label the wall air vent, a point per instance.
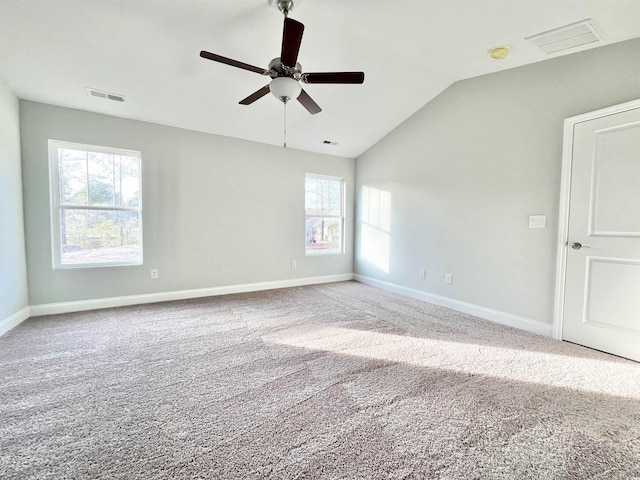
(567, 37)
(106, 95)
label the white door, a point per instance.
(602, 283)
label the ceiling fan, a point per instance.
(285, 71)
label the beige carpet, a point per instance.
(339, 381)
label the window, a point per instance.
(96, 211)
(324, 209)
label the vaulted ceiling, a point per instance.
(148, 51)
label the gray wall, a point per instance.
(216, 211)
(466, 170)
(13, 270)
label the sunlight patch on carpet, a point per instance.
(510, 363)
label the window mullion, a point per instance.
(325, 216)
(99, 207)
(86, 160)
(113, 178)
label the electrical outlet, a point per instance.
(423, 274)
(448, 278)
(154, 273)
(293, 264)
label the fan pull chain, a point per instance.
(285, 124)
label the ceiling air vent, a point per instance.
(567, 37)
(108, 96)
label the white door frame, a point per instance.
(565, 193)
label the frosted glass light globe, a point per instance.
(285, 88)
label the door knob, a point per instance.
(578, 246)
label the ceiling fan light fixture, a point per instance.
(285, 71)
(285, 88)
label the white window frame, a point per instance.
(341, 217)
(57, 205)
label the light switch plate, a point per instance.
(537, 221)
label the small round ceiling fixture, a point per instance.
(499, 53)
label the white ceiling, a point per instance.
(148, 50)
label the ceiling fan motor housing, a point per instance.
(278, 69)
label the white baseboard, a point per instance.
(94, 304)
(14, 320)
(503, 318)
(497, 316)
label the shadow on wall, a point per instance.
(376, 227)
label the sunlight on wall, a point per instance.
(375, 241)
(513, 364)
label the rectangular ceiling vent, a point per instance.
(567, 37)
(106, 95)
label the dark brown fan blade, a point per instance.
(308, 103)
(233, 63)
(255, 96)
(291, 40)
(333, 77)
